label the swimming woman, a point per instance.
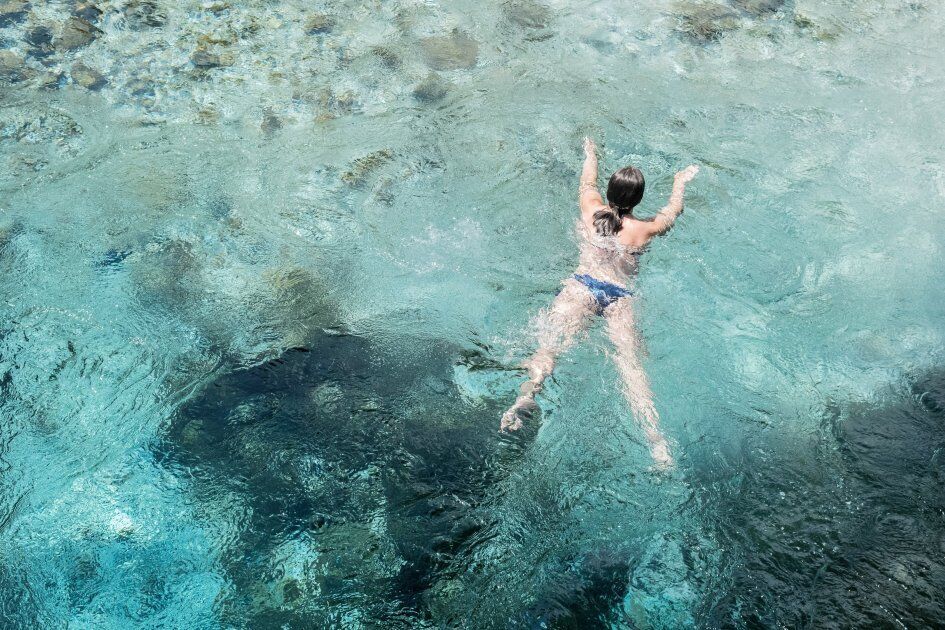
(612, 240)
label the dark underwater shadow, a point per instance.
(366, 468)
(843, 529)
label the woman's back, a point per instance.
(605, 257)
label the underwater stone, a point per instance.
(452, 52)
(144, 13)
(12, 11)
(387, 56)
(318, 23)
(432, 89)
(113, 258)
(527, 13)
(217, 7)
(203, 58)
(805, 23)
(87, 11)
(707, 23)
(759, 8)
(39, 39)
(38, 36)
(87, 77)
(801, 21)
(270, 122)
(207, 116)
(50, 81)
(12, 67)
(334, 104)
(76, 33)
(43, 126)
(363, 166)
(140, 87)
(221, 37)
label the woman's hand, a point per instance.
(687, 174)
(590, 149)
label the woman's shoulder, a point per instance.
(585, 224)
(634, 234)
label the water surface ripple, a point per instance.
(267, 269)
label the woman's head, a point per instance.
(624, 191)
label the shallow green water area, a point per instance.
(267, 270)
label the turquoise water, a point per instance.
(267, 270)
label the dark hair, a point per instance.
(624, 191)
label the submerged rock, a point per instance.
(42, 126)
(364, 166)
(12, 11)
(708, 22)
(141, 14)
(140, 87)
(318, 23)
(333, 105)
(451, 52)
(50, 81)
(87, 11)
(527, 13)
(207, 116)
(432, 89)
(759, 8)
(217, 7)
(113, 258)
(387, 56)
(38, 36)
(205, 59)
(12, 67)
(87, 77)
(270, 122)
(76, 33)
(39, 39)
(819, 32)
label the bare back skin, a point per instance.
(613, 259)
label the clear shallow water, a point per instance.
(260, 319)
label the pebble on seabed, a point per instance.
(318, 23)
(12, 11)
(143, 13)
(76, 32)
(12, 67)
(450, 52)
(271, 123)
(706, 23)
(39, 39)
(759, 8)
(527, 13)
(87, 77)
(432, 89)
(50, 81)
(204, 59)
(364, 166)
(387, 56)
(87, 11)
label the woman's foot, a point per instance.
(524, 408)
(518, 414)
(659, 451)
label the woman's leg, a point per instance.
(636, 386)
(557, 329)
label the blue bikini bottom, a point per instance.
(606, 293)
